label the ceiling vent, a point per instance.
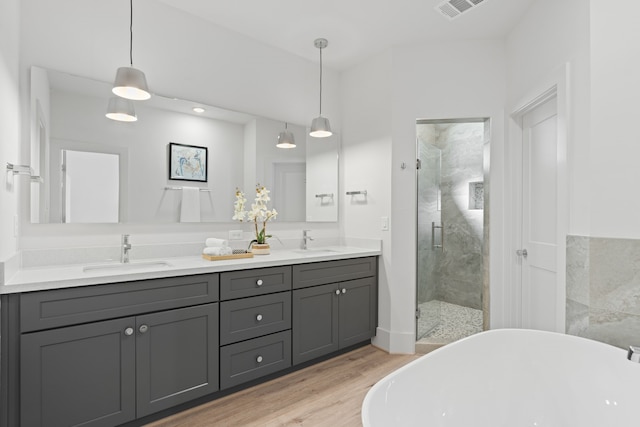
(454, 8)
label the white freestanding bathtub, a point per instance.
(511, 378)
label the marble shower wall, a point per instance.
(455, 274)
(603, 289)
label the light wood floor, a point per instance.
(327, 394)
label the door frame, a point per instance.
(556, 85)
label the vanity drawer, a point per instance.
(248, 283)
(62, 307)
(321, 273)
(252, 317)
(248, 360)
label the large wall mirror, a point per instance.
(97, 170)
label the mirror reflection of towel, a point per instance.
(190, 206)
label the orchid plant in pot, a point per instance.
(259, 214)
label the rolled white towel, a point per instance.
(212, 251)
(212, 242)
(226, 250)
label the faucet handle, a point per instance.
(634, 354)
(125, 238)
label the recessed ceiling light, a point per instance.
(198, 109)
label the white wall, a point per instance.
(366, 154)
(615, 143)
(428, 81)
(10, 124)
(182, 56)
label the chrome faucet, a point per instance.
(125, 248)
(305, 239)
(634, 354)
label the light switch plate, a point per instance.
(235, 234)
(384, 223)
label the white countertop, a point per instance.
(68, 276)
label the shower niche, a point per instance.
(452, 185)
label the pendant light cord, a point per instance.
(131, 32)
(320, 82)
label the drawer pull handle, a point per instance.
(143, 329)
(129, 331)
(259, 317)
(337, 291)
(259, 359)
(344, 290)
(259, 282)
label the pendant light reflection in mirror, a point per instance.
(130, 85)
(320, 127)
(286, 138)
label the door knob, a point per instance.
(522, 252)
(143, 329)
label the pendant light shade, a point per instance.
(121, 110)
(130, 82)
(320, 127)
(286, 139)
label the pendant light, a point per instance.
(130, 82)
(121, 110)
(320, 127)
(286, 139)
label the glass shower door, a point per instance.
(430, 236)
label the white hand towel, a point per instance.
(212, 251)
(190, 206)
(212, 242)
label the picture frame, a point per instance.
(188, 162)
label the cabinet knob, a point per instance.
(337, 291)
(259, 359)
(259, 282)
(259, 317)
(344, 290)
(128, 331)
(143, 329)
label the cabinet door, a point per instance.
(79, 375)
(177, 356)
(358, 307)
(315, 322)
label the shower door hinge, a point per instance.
(418, 164)
(418, 313)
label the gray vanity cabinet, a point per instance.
(176, 357)
(255, 324)
(108, 354)
(79, 375)
(108, 372)
(335, 306)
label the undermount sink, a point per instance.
(126, 266)
(315, 251)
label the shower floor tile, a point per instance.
(441, 322)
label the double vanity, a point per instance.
(111, 344)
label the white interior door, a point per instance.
(541, 291)
(90, 187)
(289, 191)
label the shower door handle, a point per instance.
(434, 245)
(522, 252)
